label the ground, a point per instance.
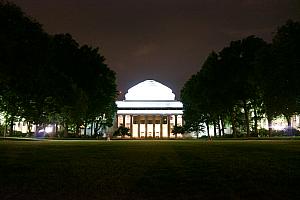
(149, 169)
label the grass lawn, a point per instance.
(149, 169)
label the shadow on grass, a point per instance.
(149, 169)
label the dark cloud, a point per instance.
(163, 40)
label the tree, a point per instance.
(122, 131)
(266, 77)
(201, 97)
(246, 81)
(100, 88)
(23, 47)
(239, 59)
(178, 130)
(285, 51)
(278, 66)
(194, 117)
(51, 79)
(224, 88)
(90, 80)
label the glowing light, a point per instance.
(150, 90)
(49, 129)
(278, 127)
(149, 97)
(162, 112)
(148, 104)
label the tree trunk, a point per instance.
(255, 122)
(215, 129)
(77, 130)
(11, 127)
(96, 129)
(56, 128)
(270, 125)
(232, 115)
(5, 131)
(219, 127)
(92, 127)
(85, 125)
(223, 126)
(29, 127)
(207, 128)
(246, 118)
(66, 130)
(289, 121)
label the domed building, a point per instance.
(149, 111)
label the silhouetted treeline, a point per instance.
(51, 78)
(246, 81)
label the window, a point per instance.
(150, 122)
(165, 120)
(157, 121)
(135, 120)
(142, 121)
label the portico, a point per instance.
(150, 111)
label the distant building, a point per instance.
(150, 111)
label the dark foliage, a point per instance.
(244, 82)
(51, 78)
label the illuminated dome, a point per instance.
(150, 90)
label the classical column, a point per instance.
(131, 131)
(169, 128)
(153, 122)
(146, 126)
(161, 126)
(117, 121)
(175, 125)
(139, 126)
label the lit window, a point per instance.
(165, 120)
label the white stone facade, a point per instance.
(150, 111)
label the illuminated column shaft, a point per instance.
(161, 126)
(131, 130)
(139, 126)
(175, 124)
(169, 128)
(153, 123)
(146, 126)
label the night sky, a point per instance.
(164, 40)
